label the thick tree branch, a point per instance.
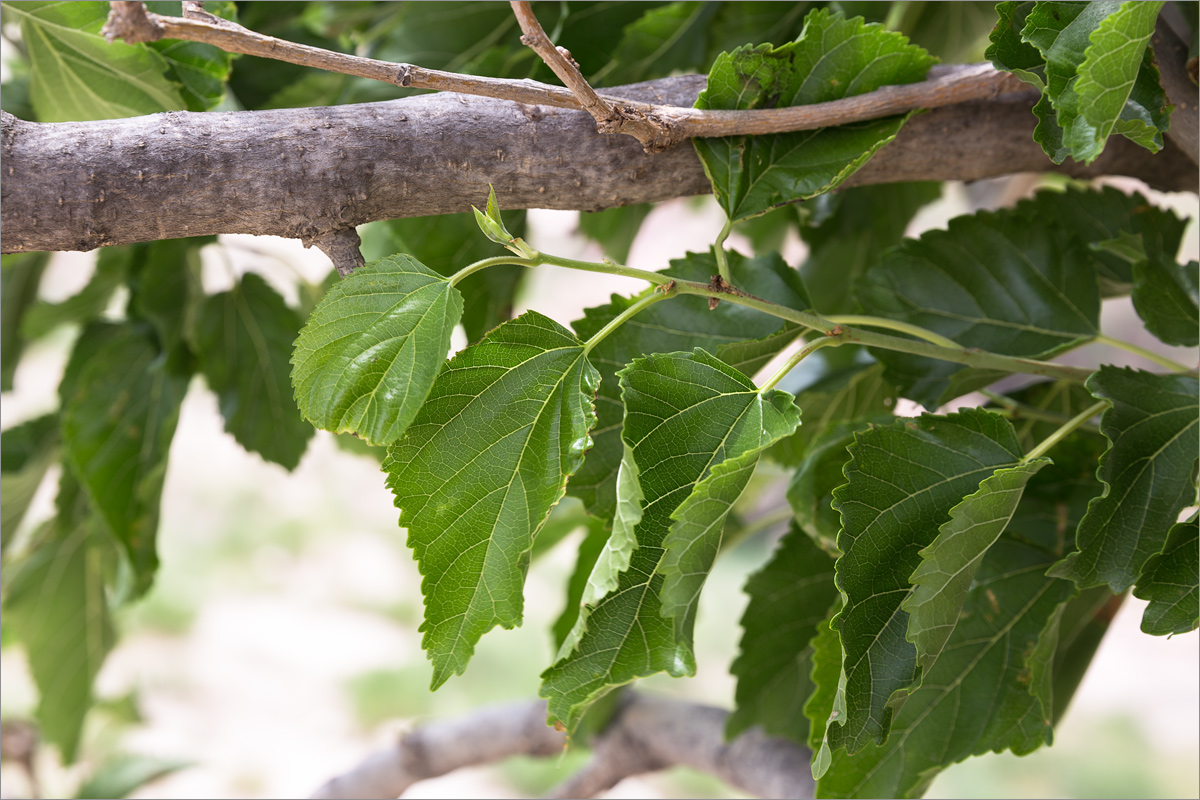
(1172, 56)
(303, 173)
(645, 734)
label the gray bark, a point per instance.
(312, 172)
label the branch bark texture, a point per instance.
(307, 173)
(645, 734)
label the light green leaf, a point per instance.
(891, 508)
(684, 414)
(123, 774)
(77, 75)
(200, 70)
(992, 281)
(20, 276)
(789, 598)
(681, 324)
(367, 357)
(1166, 297)
(119, 410)
(243, 339)
(1169, 582)
(112, 270)
(832, 59)
(826, 691)
(479, 469)
(671, 37)
(1149, 475)
(26, 453)
(691, 546)
(589, 551)
(948, 565)
(614, 229)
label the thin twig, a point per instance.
(670, 125)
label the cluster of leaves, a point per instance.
(919, 610)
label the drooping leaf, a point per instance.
(1149, 474)
(119, 410)
(685, 413)
(243, 339)
(789, 598)
(832, 59)
(26, 452)
(891, 508)
(691, 546)
(112, 270)
(1169, 582)
(992, 281)
(614, 229)
(1166, 297)
(367, 357)
(20, 275)
(948, 565)
(479, 469)
(680, 324)
(78, 75)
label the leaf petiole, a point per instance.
(1066, 430)
(624, 317)
(719, 252)
(495, 261)
(800, 355)
(1149, 355)
(893, 325)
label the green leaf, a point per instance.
(447, 243)
(1165, 295)
(982, 694)
(77, 75)
(200, 70)
(123, 774)
(119, 410)
(478, 471)
(1169, 582)
(589, 551)
(614, 229)
(691, 546)
(832, 59)
(685, 413)
(948, 565)
(824, 680)
(788, 602)
(1149, 475)
(19, 278)
(666, 39)
(56, 602)
(26, 453)
(112, 271)
(992, 281)
(165, 290)
(243, 339)
(367, 357)
(681, 324)
(891, 508)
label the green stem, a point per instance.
(719, 252)
(960, 355)
(893, 325)
(800, 355)
(607, 267)
(623, 317)
(471, 269)
(1149, 355)
(1065, 430)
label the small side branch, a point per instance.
(343, 248)
(645, 734)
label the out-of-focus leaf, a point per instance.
(788, 601)
(851, 393)
(667, 38)
(1169, 582)
(112, 270)
(243, 339)
(614, 229)
(1149, 475)
(123, 774)
(368, 354)
(832, 59)
(20, 275)
(26, 452)
(199, 70)
(589, 550)
(477, 472)
(1165, 295)
(165, 290)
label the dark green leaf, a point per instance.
(243, 339)
(1165, 296)
(992, 281)
(891, 508)
(26, 452)
(685, 413)
(679, 324)
(789, 598)
(20, 275)
(200, 70)
(826, 662)
(1149, 475)
(368, 355)
(77, 75)
(855, 392)
(165, 290)
(589, 551)
(478, 471)
(614, 229)
(119, 410)
(833, 59)
(1169, 582)
(669, 38)
(123, 774)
